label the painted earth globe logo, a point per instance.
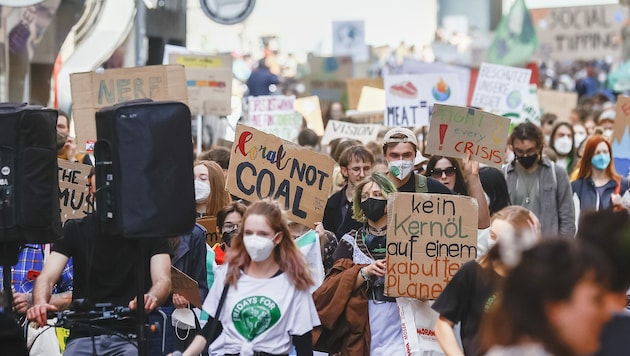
(514, 99)
(441, 91)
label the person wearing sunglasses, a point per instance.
(463, 181)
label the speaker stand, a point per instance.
(143, 340)
(9, 253)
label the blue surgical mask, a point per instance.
(601, 161)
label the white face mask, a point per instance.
(183, 318)
(400, 169)
(578, 138)
(563, 145)
(259, 248)
(202, 191)
(608, 133)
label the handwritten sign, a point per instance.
(74, 193)
(341, 129)
(262, 165)
(410, 98)
(92, 91)
(429, 237)
(500, 88)
(210, 224)
(621, 136)
(209, 82)
(579, 32)
(274, 115)
(310, 109)
(457, 131)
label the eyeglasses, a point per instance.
(437, 172)
(229, 227)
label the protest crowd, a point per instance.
(428, 209)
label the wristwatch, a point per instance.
(364, 275)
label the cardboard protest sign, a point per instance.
(457, 131)
(556, 102)
(372, 99)
(620, 141)
(274, 115)
(429, 237)
(209, 82)
(210, 224)
(355, 86)
(342, 129)
(183, 284)
(92, 91)
(501, 89)
(410, 98)
(74, 193)
(309, 108)
(579, 32)
(262, 165)
(349, 40)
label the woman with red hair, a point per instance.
(598, 185)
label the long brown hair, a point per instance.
(585, 168)
(219, 197)
(285, 253)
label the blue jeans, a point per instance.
(105, 345)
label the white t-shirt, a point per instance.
(261, 314)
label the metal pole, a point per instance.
(199, 134)
(140, 33)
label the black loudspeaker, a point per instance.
(144, 169)
(29, 183)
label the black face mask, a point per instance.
(227, 237)
(528, 161)
(374, 209)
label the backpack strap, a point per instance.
(421, 184)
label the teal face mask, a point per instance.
(601, 161)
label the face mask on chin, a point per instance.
(401, 168)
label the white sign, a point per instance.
(501, 89)
(341, 129)
(410, 98)
(274, 114)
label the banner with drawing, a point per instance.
(262, 165)
(501, 89)
(410, 98)
(429, 237)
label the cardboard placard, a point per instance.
(342, 129)
(183, 284)
(620, 141)
(210, 224)
(500, 88)
(556, 102)
(92, 91)
(456, 131)
(262, 165)
(73, 172)
(354, 87)
(74, 193)
(429, 237)
(310, 109)
(209, 82)
(74, 200)
(274, 114)
(410, 98)
(579, 32)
